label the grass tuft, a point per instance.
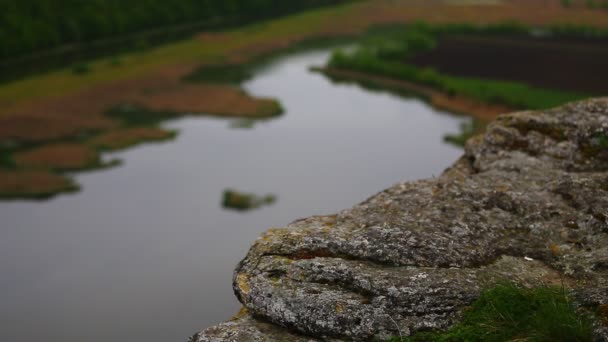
(508, 312)
(6, 159)
(602, 140)
(81, 69)
(134, 115)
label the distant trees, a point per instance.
(31, 25)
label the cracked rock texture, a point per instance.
(528, 202)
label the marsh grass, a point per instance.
(33, 184)
(222, 73)
(602, 140)
(6, 157)
(115, 61)
(508, 312)
(81, 69)
(133, 115)
(128, 137)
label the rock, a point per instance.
(244, 328)
(528, 202)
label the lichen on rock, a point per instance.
(528, 203)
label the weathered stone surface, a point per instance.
(528, 202)
(244, 328)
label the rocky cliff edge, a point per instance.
(528, 202)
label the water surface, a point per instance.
(145, 252)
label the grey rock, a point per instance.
(528, 202)
(244, 328)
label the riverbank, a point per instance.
(480, 71)
(68, 106)
(456, 104)
(491, 68)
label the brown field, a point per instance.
(59, 105)
(48, 125)
(123, 138)
(57, 157)
(579, 66)
(211, 99)
(32, 184)
(70, 115)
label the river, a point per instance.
(145, 251)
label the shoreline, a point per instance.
(485, 112)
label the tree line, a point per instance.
(27, 26)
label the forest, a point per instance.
(28, 26)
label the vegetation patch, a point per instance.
(33, 184)
(508, 312)
(602, 140)
(136, 115)
(81, 68)
(241, 201)
(222, 73)
(128, 137)
(46, 127)
(595, 146)
(198, 99)
(72, 140)
(58, 157)
(6, 158)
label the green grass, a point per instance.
(81, 69)
(507, 312)
(602, 140)
(6, 159)
(115, 61)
